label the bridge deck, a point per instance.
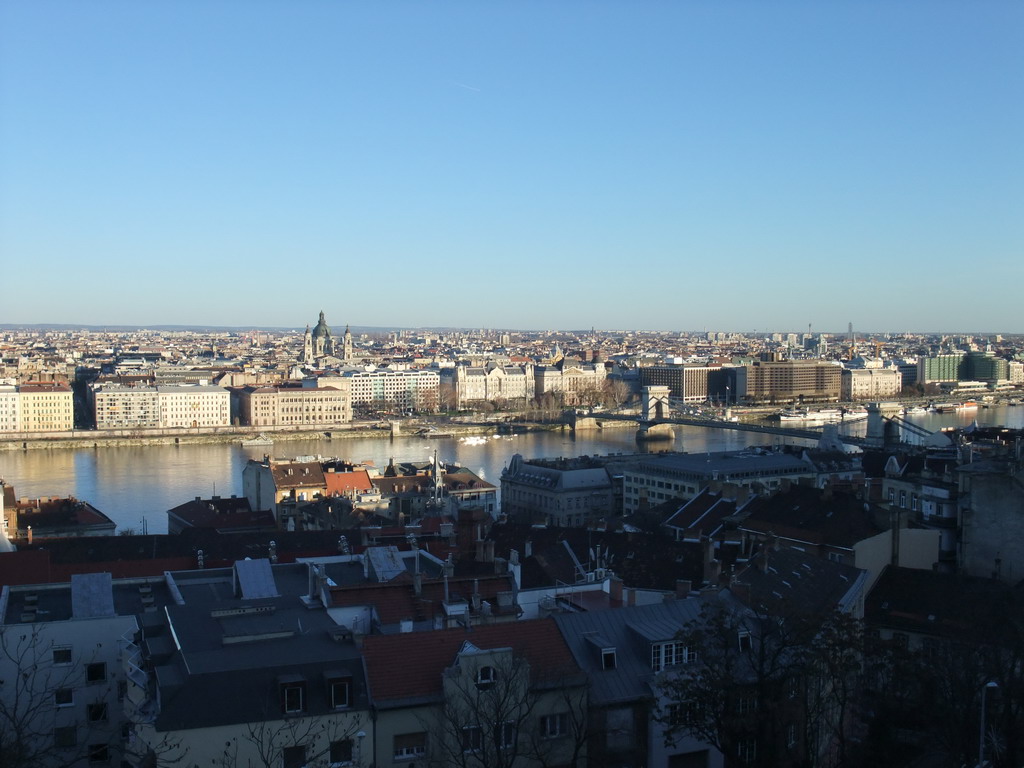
(804, 434)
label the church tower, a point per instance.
(307, 347)
(346, 353)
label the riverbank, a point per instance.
(79, 439)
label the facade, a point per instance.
(10, 408)
(870, 383)
(46, 408)
(194, 406)
(125, 407)
(940, 368)
(559, 494)
(573, 382)
(981, 366)
(463, 385)
(61, 667)
(786, 381)
(693, 383)
(294, 406)
(418, 389)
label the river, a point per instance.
(135, 486)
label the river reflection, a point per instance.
(135, 486)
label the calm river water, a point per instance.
(136, 486)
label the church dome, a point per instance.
(322, 328)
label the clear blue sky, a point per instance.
(653, 165)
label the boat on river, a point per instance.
(257, 442)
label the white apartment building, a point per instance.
(63, 675)
(403, 389)
(10, 408)
(123, 407)
(194, 406)
(870, 383)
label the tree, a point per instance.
(316, 742)
(765, 689)
(496, 714)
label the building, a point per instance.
(656, 479)
(574, 383)
(63, 680)
(268, 483)
(248, 667)
(938, 369)
(46, 408)
(462, 386)
(10, 408)
(693, 383)
(787, 381)
(870, 383)
(564, 493)
(294, 406)
(624, 652)
(318, 343)
(450, 697)
(117, 406)
(224, 515)
(385, 388)
(52, 518)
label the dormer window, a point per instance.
(744, 640)
(607, 658)
(293, 694)
(670, 654)
(486, 677)
(339, 689)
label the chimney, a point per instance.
(417, 584)
(30, 534)
(528, 549)
(615, 588)
(683, 587)
(513, 557)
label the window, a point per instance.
(903, 499)
(472, 738)
(66, 736)
(99, 753)
(293, 697)
(293, 757)
(410, 745)
(669, 654)
(97, 713)
(62, 656)
(791, 735)
(505, 735)
(486, 677)
(341, 752)
(95, 673)
(64, 697)
(122, 689)
(608, 658)
(892, 495)
(339, 693)
(553, 726)
(746, 751)
(744, 641)
(746, 704)
(683, 714)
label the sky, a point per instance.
(684, 165)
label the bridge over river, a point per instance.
(657, 414)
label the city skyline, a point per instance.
(521, 166)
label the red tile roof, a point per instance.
(410, 665)
(345, 482)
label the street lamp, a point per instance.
(981, 745)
